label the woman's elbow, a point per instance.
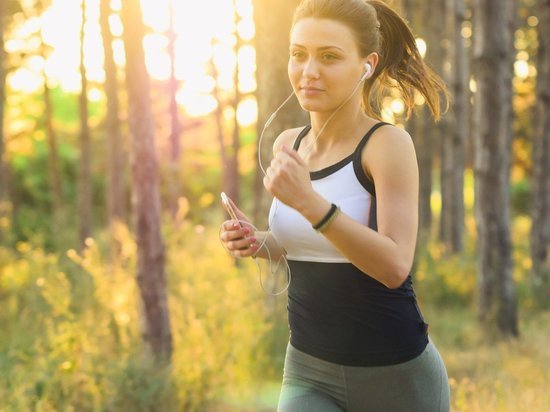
(398, 275)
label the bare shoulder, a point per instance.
(286, 138)
(389, 147)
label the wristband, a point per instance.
(327, 219)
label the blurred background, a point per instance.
(121, 122)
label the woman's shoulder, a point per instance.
(388, 143)
(389, 137)
(286, 138)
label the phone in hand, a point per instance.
(227, 205)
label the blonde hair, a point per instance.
(378, 28)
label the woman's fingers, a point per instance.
(239, 241)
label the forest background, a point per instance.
(123, 120)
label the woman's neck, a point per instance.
(345, 122)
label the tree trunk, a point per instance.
(115, 161)
(232, 173)
(53, 160)
(54, 174)
(417, 14)
(218, 118)
(540, 232)
(174, 184)
(493, 61)
(3, 180)
(454, 141)
(272, 20)
(84, 164)
(151, 276)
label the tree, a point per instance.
(85, 161)
(151, 276)
(54, 173)
(115, 160)
(3, 180)
(417, 13)
(272, 20)
(540, 232)
(175, 123)
(454, 140)
(492, 131)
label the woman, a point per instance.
(345, 215)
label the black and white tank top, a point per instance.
(335, 311)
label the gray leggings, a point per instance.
(314, 385)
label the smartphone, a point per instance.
(228, 208)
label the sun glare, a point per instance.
(201, 36)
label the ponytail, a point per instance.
(401, 64)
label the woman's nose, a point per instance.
(311, 69)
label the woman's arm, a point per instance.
(270, 249)
(387, 254)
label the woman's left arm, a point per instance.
(388, 253)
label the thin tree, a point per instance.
(84, 163)
(417, 14)
(540, 232)
(454, 140)
(115, 160)
(54, 173)
(174, 185)
(3, 179)
(494, 24)
(232, 173)
(151, 275)
(218, 119)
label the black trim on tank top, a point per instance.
(367, 183)
(356, 155)
(373, 223)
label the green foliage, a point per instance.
(70, 338)
(521, 197)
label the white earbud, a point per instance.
(368, 69)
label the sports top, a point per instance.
(336, 312)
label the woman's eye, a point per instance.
(297, 54)
(329, 57)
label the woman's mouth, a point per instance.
(310, 91)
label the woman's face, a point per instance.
(324, 65)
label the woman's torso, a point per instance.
(336, 312)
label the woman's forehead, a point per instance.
(318, 33)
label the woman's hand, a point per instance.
(287, 178)
(238, 237)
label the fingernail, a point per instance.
(235, 225)
(246, 231)
(252, 240)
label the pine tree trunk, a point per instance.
(84, 164)
(272, 19)
(454, 141)
(494, 24)
(115, 161)
(218, 119)
(232, 177)
(175, 189)
(540, 232)
(417, 14)
(151, 276)
(53, 160)
(3, 179)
